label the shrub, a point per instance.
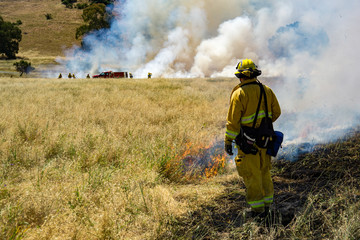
(48, 16)
(68, 3)
(106, 2)
(23, 67)
(82, 5)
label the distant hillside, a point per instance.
(42, 37)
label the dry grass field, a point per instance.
(95, 159)
(143, 158)
(82, 158)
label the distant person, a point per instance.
(149, 75)
(252, 161)
(130, 75)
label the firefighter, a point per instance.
(254, 168)
(149, 75)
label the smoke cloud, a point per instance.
(306, 50)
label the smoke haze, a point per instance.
(307, 51)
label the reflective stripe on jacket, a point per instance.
(243, 104)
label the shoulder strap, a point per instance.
(262, 91)
(258, 106)
(265, 99)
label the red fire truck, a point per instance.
(111, 74)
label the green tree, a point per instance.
(68, 3)
(82, 5)
(95, 18)
(10, 36)
(106, 2)
(23, 67)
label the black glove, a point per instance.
(228, 148)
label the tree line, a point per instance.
(95, 17)
(10, 37)
(74, 3)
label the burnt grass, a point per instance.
(318, 173)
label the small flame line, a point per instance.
(197, 161)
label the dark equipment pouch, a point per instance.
(263, 136)
(246, 140)
(265, 133)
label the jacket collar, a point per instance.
(247, 81)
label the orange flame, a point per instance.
(218, 163)
(196, 162)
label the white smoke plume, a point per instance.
(307, 51)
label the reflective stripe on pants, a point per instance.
(268, 200)
(255, 171)
(257, 204)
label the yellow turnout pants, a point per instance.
(255, 171)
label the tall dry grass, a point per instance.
(84, 159)
(80, 158)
